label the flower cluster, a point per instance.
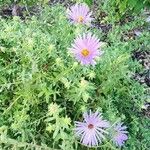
(93, 130)
(86, 48)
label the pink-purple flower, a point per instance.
(80, 13)
(91, 131)
(120, 134)
(86, 48)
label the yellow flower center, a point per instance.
(85, 52)
(80, 19)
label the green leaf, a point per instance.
(123, 6)
(56, 132)
(132, 3)
(139, 6)
(88, 2)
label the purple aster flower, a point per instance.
(80, 13)
(91, 131)
(120, 134)
(85, 49)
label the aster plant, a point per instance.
(92, 129)
(80, 13)
(120, 134)
(86, 48)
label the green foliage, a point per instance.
(118, 8)
(43, 90)
(89, 2)
(23, 2)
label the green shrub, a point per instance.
(22, 2)
(119, 8)
(43, 90)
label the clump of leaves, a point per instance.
(119, 9)
(43, 90)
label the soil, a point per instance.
(144, 78)
(5, 12)
(144, 58)
(146, 110)
(14, 10)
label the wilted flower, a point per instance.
(92, 129)
(59, 61)
(53, 109)
(51, 47)
(80, 13)
(66, 121)
(83, 84)
(120, 134)
(85, 48)
(50, 128)
(92, 75)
